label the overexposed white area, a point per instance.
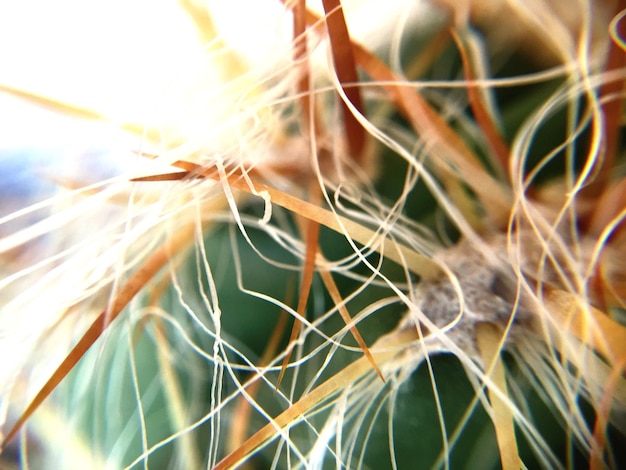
(113, 56)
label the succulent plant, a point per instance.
(320, 235)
